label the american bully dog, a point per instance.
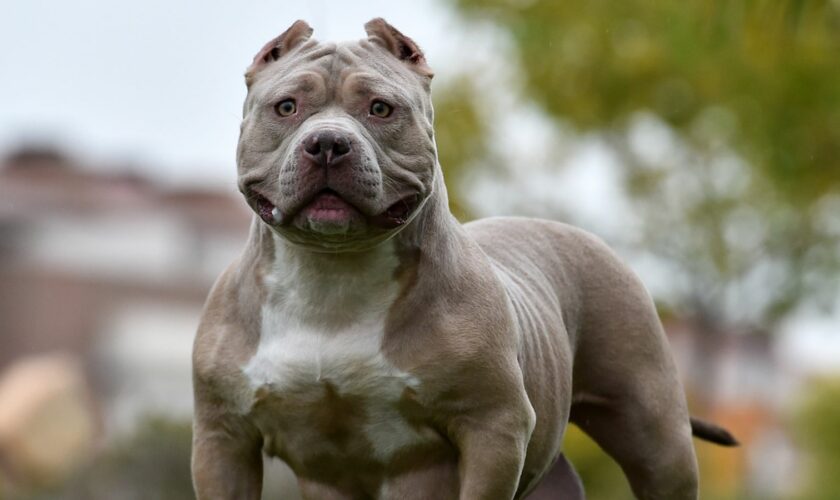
(384, 350)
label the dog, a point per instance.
(382, 349)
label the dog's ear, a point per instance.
(297, 33)
(402, 47)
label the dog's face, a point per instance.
(336, 151)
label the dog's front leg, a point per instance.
(226, 452)
(224, 466)
(492, 450)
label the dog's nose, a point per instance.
(326, 147)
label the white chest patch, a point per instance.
(300, 354)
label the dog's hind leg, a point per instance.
(654, 451)
(635, 410)
(626, 392)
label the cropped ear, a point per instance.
(399, 45)
(297, 33)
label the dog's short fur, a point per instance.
(382, 349)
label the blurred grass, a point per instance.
(602, 477)
(151, 464)
(816, 425)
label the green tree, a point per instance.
(741, 204)
(461, 137)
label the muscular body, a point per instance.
(384, 350)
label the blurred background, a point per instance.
(701, 139)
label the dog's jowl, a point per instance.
(384, 350)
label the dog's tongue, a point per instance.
(328, 207)
(328, 201)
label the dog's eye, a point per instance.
(286, 107)
(380, 109)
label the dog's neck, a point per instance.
(432, 230)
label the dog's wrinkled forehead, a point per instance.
(387, 61)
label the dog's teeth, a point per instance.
(276, 215)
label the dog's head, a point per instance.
(336, 151)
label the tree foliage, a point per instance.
(461, 136)
(738, 197)
(759, 75)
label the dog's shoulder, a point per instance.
(226, 337)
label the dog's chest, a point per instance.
(322, 392)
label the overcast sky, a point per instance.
(159, 82)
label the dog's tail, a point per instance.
(708, 431)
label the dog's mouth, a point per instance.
(267, 211)
(398, 213)
(328, 208)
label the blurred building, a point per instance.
(114, 269)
